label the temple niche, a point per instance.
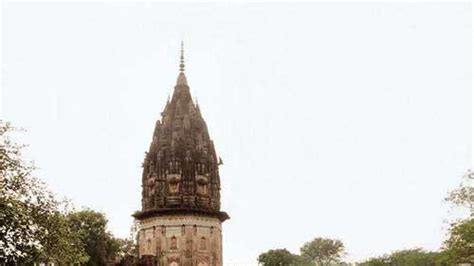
(180, 220)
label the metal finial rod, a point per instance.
(181, 65)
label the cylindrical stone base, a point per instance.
(181, 240)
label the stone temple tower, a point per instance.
(180, 221)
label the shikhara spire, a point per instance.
(181, 172)
(181, 65)
(180, 220)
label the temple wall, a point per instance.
(178, 240)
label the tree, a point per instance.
(323, 251)
(413, 257)
(463, 196)
(32, 228)
(460, 244)
(459, 247)
(302, 261)
(18, 229)
(408, 257)
(62, 244)
(276, 257)
(378, 261)
(128, 250)
(99, 244)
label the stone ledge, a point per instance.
(140, 215)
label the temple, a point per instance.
(180, 220)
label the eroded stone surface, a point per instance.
(182, 239)
(180, 219)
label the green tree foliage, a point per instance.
(127, 248)
(19, 228)
(378, 261)
(32, 226)
(35, 227)
(463, 196)
(282, 257)
(323, 251)
(459, 247)
(302, 261)
(99, 244)
(408, 257)
(413, 257)
(128, 252)
(276, 257)
(62, 244)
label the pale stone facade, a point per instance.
(182, 240)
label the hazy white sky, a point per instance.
(348, 121)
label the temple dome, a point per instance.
(181, 168)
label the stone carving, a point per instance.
(202, 237)
(202, 182)
(173, 183)
(203, 244)
(181, 146)
(173, 243)
(203, 261)
(180, 218)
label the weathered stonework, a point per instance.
(180, 219)
(182, 240)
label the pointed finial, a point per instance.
(181, 65)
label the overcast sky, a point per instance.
(347, 121)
